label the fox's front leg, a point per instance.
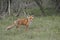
(27, 27)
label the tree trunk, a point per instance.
(9, 7)
(39, 3)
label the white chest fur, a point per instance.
(30, 22)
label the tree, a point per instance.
(39, 3)
(57, 4)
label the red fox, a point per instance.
(23, 21)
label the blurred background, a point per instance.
(28, 7)
(45, 25)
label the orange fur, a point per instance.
(18, 22)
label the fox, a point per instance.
(24, 21)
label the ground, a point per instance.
(42, 28)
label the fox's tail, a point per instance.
(11, 26)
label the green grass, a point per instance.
(42, 28)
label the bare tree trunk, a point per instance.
(58, 5)
(9, 7)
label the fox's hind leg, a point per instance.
(18, 27)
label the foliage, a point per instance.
(18, 5)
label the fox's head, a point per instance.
(30, 17)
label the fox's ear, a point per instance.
(32, 15)
(27, 16)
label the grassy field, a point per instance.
(42, 28)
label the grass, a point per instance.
(42, 28)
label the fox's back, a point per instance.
(23, 21)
